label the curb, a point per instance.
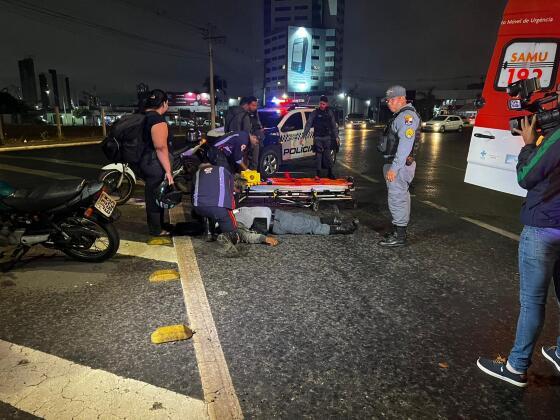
(48, 146)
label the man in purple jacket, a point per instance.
(538, 171)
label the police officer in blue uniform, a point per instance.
(325, 135)
(399, 143)
(233, 151)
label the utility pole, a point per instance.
(208, 36)
(103, 125)
(58, 127)
(1, 130)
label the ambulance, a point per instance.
(527, 47)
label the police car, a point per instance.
(283, 137)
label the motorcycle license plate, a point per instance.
(105, 204)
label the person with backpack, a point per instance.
(398, 145)
(156, 162)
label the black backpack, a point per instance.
(125, 142)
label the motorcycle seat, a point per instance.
(44, 197)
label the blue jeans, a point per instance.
(539, 256)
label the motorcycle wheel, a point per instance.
(97, 240)
(120, 194)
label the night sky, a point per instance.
(114, 44)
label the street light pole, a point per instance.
(207, 35)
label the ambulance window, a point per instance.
(294, 122)
(525, 59)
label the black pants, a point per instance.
(323, 158)
(153, 174)
(224, 217)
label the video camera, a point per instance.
(521, 92)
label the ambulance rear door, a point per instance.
(528, 46)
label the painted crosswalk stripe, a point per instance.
(37, 172)
(54, 388)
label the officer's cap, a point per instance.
(395, 92)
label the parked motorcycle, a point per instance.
(121, 179)
(75, 217)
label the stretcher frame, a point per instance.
(307, 196)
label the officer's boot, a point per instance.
(345, 229)
(396, 239)
(390, 232)
(318, 175)
(331, 220)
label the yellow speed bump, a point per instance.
(159, 241)
(171, 333)
(164, 275)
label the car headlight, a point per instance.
(423, 124)
(348, 125)
(364, 125)
(436, 126)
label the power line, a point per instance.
(25, 6)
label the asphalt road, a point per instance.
(318, 327)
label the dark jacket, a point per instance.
(538, 171)
(237, 119)
(323, 123)
(213, 187)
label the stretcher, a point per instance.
(300, 192)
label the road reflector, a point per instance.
(164, 275)
(159, 241)
(171, 333)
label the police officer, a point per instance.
(325, 134)
(401, 137)
(245, 118)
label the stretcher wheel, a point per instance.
(315, 206)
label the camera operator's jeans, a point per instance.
(539, 256)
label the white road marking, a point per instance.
(219, 392)
(492, 228)
(37, 172)
(57, 161)
(48, 146)
(366, 177)
(435, 206)
(152, 252)
(54, 388)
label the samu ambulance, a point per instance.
(527, 47)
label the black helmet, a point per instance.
(167, 196)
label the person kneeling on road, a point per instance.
(213, 198)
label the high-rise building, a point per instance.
(303, 46)
(54, 84)
(28, 83)
(44, 90)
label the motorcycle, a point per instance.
(121, 179)
(75, 217)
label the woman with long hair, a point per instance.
(156, 164)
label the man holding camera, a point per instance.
(538, 171)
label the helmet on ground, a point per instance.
(167, 196)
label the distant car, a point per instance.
(443, 123)
(283, 140)
(356, 121)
